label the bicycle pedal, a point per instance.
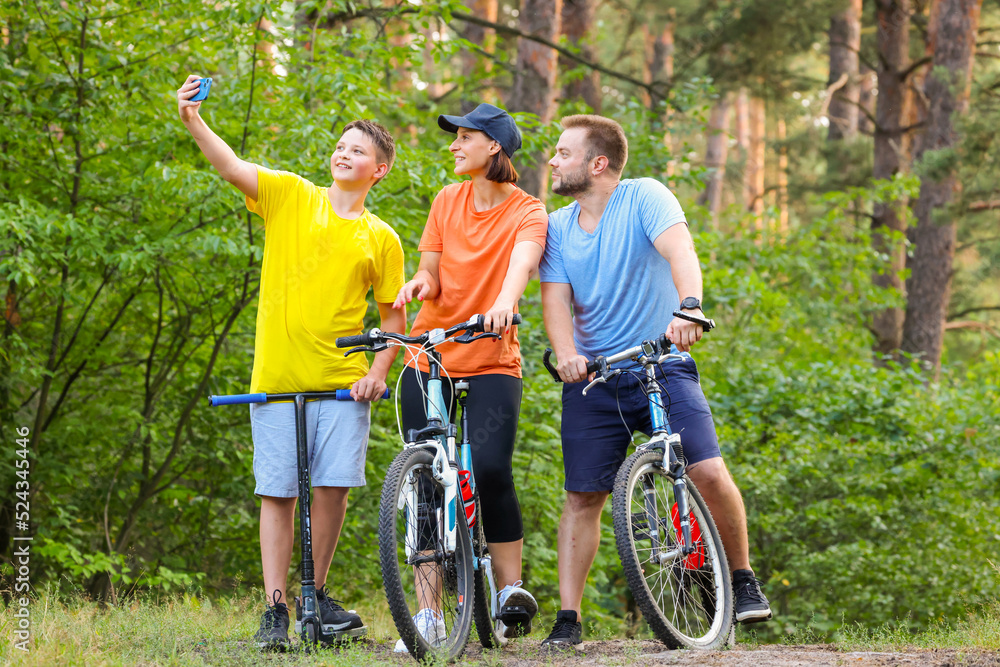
(640, 526)
(514, 615)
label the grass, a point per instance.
(977, 631)
(185, 630)
(980, 630)
(190, 630)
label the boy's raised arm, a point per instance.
(239, 172)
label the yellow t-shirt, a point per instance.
(315, 275)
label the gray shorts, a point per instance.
(337, 441)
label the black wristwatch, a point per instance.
(690, 303)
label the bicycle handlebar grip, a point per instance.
(706, 323)
(236, 399)
(517, 319)
(345, 394)
(354, 341)
(548, 365)
(592, 367)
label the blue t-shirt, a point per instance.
(623, 291)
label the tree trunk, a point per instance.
(953, 28)
(741, 121)
(663, 62)
(658, 59)
(577, 23)
(715, 158)
(891, 108)
(534, 86)
(753, 172)
(474, 66)
(782, 132)
(845, 41)
(866, 101)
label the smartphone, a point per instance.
(204, 85)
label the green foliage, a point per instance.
(871, 496)
(131, 272)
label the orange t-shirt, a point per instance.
(475, 249)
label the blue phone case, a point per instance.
(204, 85)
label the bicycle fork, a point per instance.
(446, 475)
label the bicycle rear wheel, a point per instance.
(488, 628)
(417, 572)
(686, 599)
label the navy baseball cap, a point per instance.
(494, 121)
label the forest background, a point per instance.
(838, 166)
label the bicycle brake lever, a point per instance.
(467, 337)
(600, 379)
(367, 348)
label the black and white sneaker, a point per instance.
(751, 604)
(337, 621)
(566, 633)
(273, 632)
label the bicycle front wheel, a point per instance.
(429, 591)
(489, 629)
(686, 598)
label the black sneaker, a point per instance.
(273, 632)
(751, 604)
(566, 632)
(336, 620)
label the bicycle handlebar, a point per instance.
(236, 399)
(473, 325)
(601, 363)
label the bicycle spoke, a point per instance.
(429, 589)
(683, 587)
(428, 574)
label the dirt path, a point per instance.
(622, 653)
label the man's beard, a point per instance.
(573, 184)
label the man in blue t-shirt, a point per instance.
(617, 263)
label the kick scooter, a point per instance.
(309, 625)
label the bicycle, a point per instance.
(308, 623)
(673, 559)
(428, 560)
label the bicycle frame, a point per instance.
(447, 449)
(673, 459)
(439, 436)
(649, 354)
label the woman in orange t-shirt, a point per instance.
(482, 243)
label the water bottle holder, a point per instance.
(468, 500)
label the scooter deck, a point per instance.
(331, 636)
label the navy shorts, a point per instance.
(595, 436)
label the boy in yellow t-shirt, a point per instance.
(323, 250)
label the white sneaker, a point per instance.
(430, 625)
(517, 608)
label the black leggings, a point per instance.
(494, 402)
